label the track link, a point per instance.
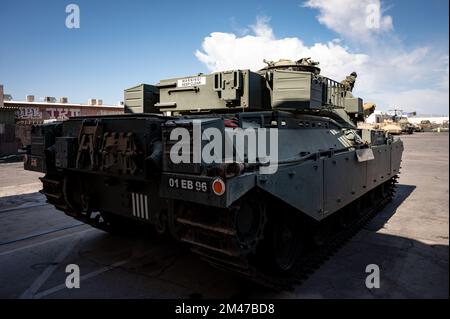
(52, 188)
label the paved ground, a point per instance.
(15, 180)
(408, 240)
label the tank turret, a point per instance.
(295, 86)
(304, 64)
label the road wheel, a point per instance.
(284, 243)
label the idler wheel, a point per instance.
(284, 243)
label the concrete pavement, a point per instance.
(408, 240)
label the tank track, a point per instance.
(53, 189)
(305, 266)
(217, 242)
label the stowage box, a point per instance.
(241, 89)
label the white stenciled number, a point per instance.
(188, 184)
(201, 186)
(173, 182)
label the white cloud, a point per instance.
(360, 20)
(390, 76)
(225, 51)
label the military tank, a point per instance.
(392, 127)
(256, 172)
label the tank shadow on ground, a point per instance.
(392, 253)
(403, 192)
(409, 268)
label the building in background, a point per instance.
(8, 143)
(1, 95)
(380, 117)
(439, 120)
(30, 112)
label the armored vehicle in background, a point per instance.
(428, 126)
(397, 124)
(443, 127)
(417, 128)
(407, 127)
(391, 127)
(393, 122)
(252, 170)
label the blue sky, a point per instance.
(122, 43)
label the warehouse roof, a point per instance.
(58, 104)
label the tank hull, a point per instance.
(128, 182)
